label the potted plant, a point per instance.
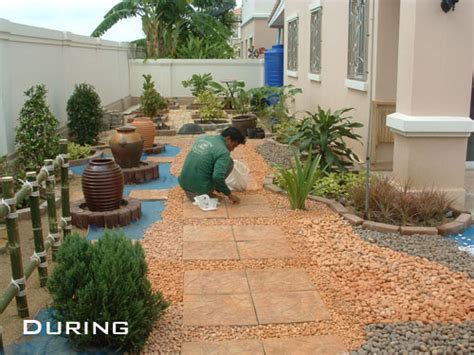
(244, 119)
(211, 108)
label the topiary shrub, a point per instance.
(36, 133)
(85, 114)
(151, 101)
(105, 282)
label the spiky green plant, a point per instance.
(300, 179)
(151, 102)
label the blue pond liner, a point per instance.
(465, 240)
(151, 210)
(44, 343)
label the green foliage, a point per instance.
(285, 128)
(281, 97)
(337, 185)
(36, 133)
(325, 132)
(85, 114)
(198, 83)
(299, 180)
(203, 48)
(211, 106)
(169, 25)
(389, 203)
(77, 151)
(151, 101)
(228, 92)
(105, 282)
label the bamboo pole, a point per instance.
(65, 206)
(51, 201)
(14, 248)
(40, 253)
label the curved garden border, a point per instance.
(462, 221)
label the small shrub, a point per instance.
(389, 203)
(105, 282)
(285, 129)
(227, 92)
(326, 132)
(211, 106)
(337, 185)
(36, 133)
(198, 83)
(151, 101)
(85, 114)
(77, 151)
(299, 180)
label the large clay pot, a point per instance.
(127, 146)
(243, 122)
(102, 185)
(146, 128)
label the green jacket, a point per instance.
(206, 166)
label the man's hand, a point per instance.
(234, 199)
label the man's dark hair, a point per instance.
(234, 134)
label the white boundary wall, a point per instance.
(32, 55)
(169, 73)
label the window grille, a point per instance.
(293, 45)
(315, 54)
(357, 46)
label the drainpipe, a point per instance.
(371, 99)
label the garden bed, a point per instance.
(212, 125)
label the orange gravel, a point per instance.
(359, 282)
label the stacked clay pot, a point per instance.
(102, 185)
(127, 146)
(146, 128)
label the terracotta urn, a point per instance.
(102, 185)
(127, 146)
(146, 128)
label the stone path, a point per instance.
(248, 297)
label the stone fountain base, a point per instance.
(156, 149)
(129, 211)
(147, 171)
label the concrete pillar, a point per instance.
(431, 124)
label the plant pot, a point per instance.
(251, 132)
(243, 122)
(146, 128)
(255, 133)
(127, 146)
(102, 185)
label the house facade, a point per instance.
(254, 30)
(405, 66)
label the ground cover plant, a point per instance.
(36, 132)
(151, 102)
(77, 151)
(400, 205)
(105, 282)
(85, 114)
(212, 107)
(326, 133)
(338, 185)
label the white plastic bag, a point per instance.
(239, 177)
(205, 203)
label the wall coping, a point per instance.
(165, 61)
(408, 125)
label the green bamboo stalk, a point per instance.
(65, 206)
(40, 253)
(14, 248)
(51, 201)
(11, 290)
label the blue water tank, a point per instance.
(274, 66)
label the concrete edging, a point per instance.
(462, 221)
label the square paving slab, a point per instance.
(206, 310)
(265, 249)
(256, 232)
(215, 282)
(244, 210)
(318, 344)
(191, 211)
(289, 307)
(149, 195)
(209, 251)
(208, 234)
(234, 347)
(279, 280)
(161, 159)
